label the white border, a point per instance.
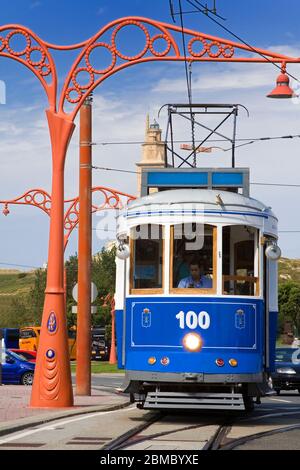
(254, 347)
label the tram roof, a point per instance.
(209, 197)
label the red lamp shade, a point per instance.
(282, 89)
(5, 210)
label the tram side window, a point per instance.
(240, 244)
(147, 263)
(192, 259)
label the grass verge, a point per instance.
(99, 367)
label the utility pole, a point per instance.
(83, 354)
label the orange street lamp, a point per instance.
(52, 385)
(282, 89)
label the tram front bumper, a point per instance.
(136, 377)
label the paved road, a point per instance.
(108, 380)
(185, 431)
(111, 381)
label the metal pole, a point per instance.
(113, 355)
(65, 286)
(83, 353)
(52, 385)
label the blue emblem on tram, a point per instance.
(240, 319)
(146, 318)
(52, 323)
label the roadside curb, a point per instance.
(10, 427)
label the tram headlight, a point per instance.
(152, 360)
(233, 362)
(192, 342)
(273, 252)
(123, 251)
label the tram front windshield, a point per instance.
(193, 255)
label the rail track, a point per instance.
(218, 429)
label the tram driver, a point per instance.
(196, 279)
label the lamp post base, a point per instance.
(52, 386)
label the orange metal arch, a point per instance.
(34, 197)
(42, 67)
(213, 49)
(112, 199)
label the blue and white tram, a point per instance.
(196, 299)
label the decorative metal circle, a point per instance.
(107, 69)
(68, 97)
(28, 198)
(67, 225)
(47, 205)
(168, 47)
(27, 38)
(73, 216)
(76, 84)
(112, 201)
(50, 354)
(3, 43)
(226, 54)
(44, 69)
(213, 44)
(33, 62)
(37, 201)
(52, 323)
(129, 23)
(202, 52)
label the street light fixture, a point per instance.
(282, 89)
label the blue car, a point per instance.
(16, 370)
(287, 370)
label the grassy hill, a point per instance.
(14, 286)
(289, 270)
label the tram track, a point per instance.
(219, 440)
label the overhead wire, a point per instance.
(287, 185)
(255, 139)
(191, 2)
(20, 265)
(188, 76)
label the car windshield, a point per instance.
(284, 355)
(16, 356)
(27, 356)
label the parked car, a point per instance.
(287, 370)
(16, 370)
(29, 356)
(99, 346)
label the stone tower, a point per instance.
(153, 150)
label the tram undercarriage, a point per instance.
(198, 391)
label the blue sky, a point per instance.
(121, 104)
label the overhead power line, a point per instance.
(287, 185)
(196, 4)
(248, 140)
(19, 265)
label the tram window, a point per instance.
(193, 256)
(147, 262)
(240, 244)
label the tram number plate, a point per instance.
(192, 320)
